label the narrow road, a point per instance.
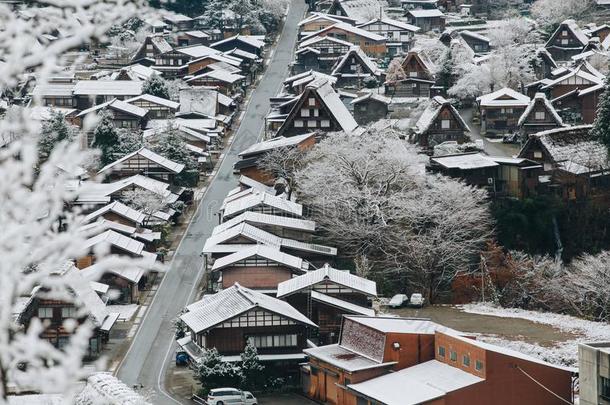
(495, 148)
(153, 345)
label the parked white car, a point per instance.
(417, 300)
(226, 396)
(398, 301)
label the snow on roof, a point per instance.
(361, 10)
(262, 199)
(403, 325)
(197, 34)
(315, 38)
(592, 89)
(116, 239)
(175, 18)
(214, 309)
(574, 28)
(242, 54)
(85, 296)
(36, 399)
(308, 78)
(373, 96)
(335, 106)
(161, 43)
(120, 209)
(467, 161)
(356, 51)
(414, 385)
(275, 143)
(198, 51)
(53, 89)
(341, 304)
(108, 88)
(426, 13)
(257, 185)
(259, 218)
(268, 252)
(95, 272)
(147, 154)
(155, 100)
(579, 72)
(356, 31)
(475, 35)
(104, 388)
(540, 98)
(394, 23)
(508, 352)
(116, 104)
(201, 100)
(218, 74)
(318, 16)
(247, 39)
(344, 358)
(327, 274)
(433, 110)
(503, 97)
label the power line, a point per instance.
(545, 388)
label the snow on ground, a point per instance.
(126, 311)
(565, 353)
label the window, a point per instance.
(274, 341)
(478, 365)
(304, 112)
(312, 123)
(298, 123)
(325, 123)
(509, 111)
(453, 356)
(412, 74)
(565, 41)
(604, 386)
(537, 155)
(466, 360)
(45, 313)
(362, 107)
(441, 351)
(564, 33)
(311, 101)
(445, 124)
(347, 381)
(68, 312)
(149, 46)
(540, 115)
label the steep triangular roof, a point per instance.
(503, 97)
(572, 28)
(355, 52)
(540, 100)
(267, 252)
(437, 104)
(420, 59)
(149, 155)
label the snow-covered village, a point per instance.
(301, 202)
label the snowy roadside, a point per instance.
(564, 353)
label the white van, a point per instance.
(226, 396)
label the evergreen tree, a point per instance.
(156, 86)
(171, 146)
(601, 125)
(445, 74)
(213, 17)
(251, 367)
(105, 138)
(129, 141)
(54, 131)
(212, 372)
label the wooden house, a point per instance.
(325, 295)
(544, 63)
(145, 162)
(318, 108)
(318, 21)
(370, 107)
(500, 111)
(118, 212)
(419, 71)
(600, 31)
(259, 267)
(153, 46)
(247, 164)
(230, 318)
(477, 42)
(368, 347)
(85, 304)
(361, 11)
(157, 107)
(179, 22)
(354, 68)
(567, 40)
(540, 115)
(577, 163)
(199, 65)
(89, 93)
(228, 83)
(427, 19)
(372, 44)
(465, 370)
(194, 37)
(440, 122)
(248, 43)
(54, 94)
(399, 35)
(320, 53)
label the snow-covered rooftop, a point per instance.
(344, 358)
(147, 154)
(505, 97)
(268, 252)
(275, 143)
(108, 88)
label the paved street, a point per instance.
(492, 148)
(153, 345)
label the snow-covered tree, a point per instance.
(128, 141)
(145, 201)
(601, 125)
(282, 163)
(105, 138)
(475, 82)
(55, 130)
(156, 86)
(511, 66)
(172, 146)
(251, 367)
(212, 372)
(586, 282)
(213, 16)
(34, 198)
(549, 13)
(446, 70)
(371, 197)
(512, 31)
(395, 72)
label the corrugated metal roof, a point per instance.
(146, 153)
(120, 209)
(275, 143)
(327, 273)
(267, 252)
(258, 218)
(344, 305)
(108, 87)
(155, 100)
(116, 105)
(258, 198)
(214, 309)
(116, 239)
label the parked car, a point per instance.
(417, 300)
(398, 301)
(226, 396)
